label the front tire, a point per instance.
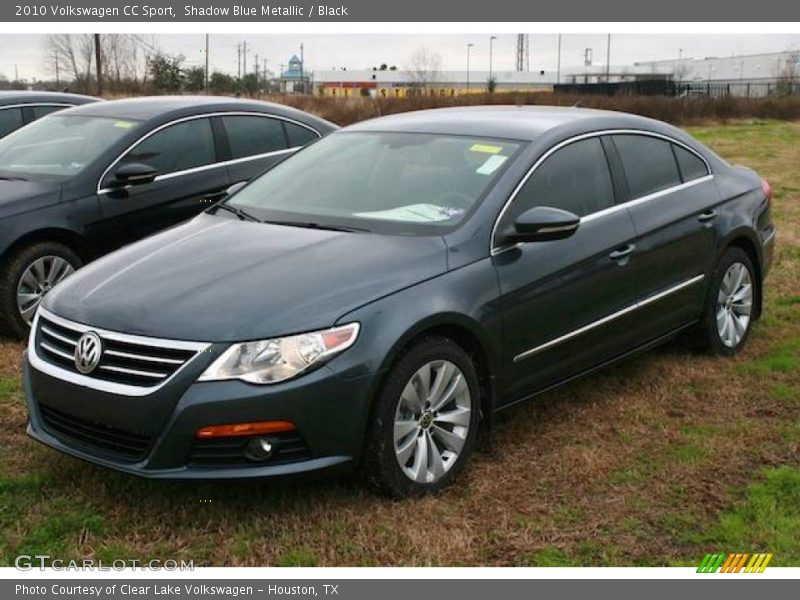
(730, 306)
(27, 277)
(425, 420)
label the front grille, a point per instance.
(127, 360)
(230, 452)
(69, 428)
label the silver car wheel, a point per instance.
(432, 421)
(734, 304)
(38, 279)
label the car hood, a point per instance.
(215, 279)
(18, 196)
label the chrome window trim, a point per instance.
(770, 239)
(96, 384)
(494, 250)
(65, 104)
(620, 313)
(238, 113)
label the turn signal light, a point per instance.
(243, 429)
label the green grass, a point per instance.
(767, 519)
(783, 357)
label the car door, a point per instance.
(565, 302)
(258, 142)
(671, 196)
(185, 154)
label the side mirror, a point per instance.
(135, 174)
(235, 188)
(541, 224)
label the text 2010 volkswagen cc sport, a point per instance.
(370, 299)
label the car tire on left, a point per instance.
(26, 277)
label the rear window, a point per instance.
(299, 135)
(41, 111)
(250, 135)
(691, 166)
(649, 164)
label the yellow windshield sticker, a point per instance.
(123, 124)
(486, 148)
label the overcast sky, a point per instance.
(26, 51)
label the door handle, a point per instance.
(623, 252)
(707, 216)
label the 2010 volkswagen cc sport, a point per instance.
(370, 299)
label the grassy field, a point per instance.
(654, 462)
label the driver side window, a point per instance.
(575, 178)
(175, 148)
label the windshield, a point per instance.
(407, 183)
(59, 145)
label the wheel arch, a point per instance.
(744, 239)
(67, 237)
(470, 336)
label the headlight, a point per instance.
(279, 359)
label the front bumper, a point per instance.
(328, 409)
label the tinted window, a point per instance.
(691, 166)
(575, 178)
(10, 119)
(648, 162)
(178, 147)
(41, 111)
(298, 135)
(253, 135)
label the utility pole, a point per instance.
(238, 61)
(98, 63)
(608, 57)
(244, 58)
(58, 81)
(16, 73)
(558, 66)
(469, 47)
(302, 71)
(206, 82)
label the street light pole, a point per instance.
(206, 82)
(491, 41)
(608, 58)
(558, 66)
(469, 47)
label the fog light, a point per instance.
(258, 449)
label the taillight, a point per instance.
(767, 189)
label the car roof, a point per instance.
(32, 97)
(509, 122)
(164, 108)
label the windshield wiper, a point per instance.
(12, 178)
(244, 216)
(310, 225)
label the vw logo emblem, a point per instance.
(88, 351)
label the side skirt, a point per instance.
(644, 347)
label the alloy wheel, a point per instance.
(734, 304)
(432, 421)
(38, 279)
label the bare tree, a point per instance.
(424, 67)
(125, 60)
(788, 74)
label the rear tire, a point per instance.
(26, 277)
(425, 420)
(730, 306)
